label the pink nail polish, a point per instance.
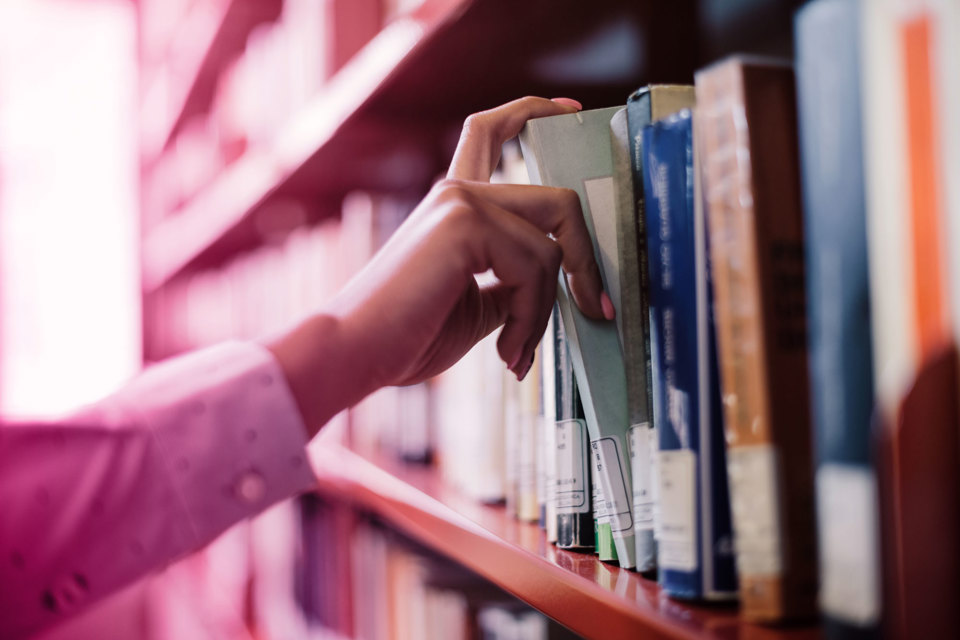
(607, 306)
(526, 370)
(570, 102)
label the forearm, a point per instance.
(324, 367)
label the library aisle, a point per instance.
(758, 440)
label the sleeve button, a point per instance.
(251, 487)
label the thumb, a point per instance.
(494, 307)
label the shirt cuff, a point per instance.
(229, 430)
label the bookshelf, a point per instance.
(198, 47)
(388, 122)
(590, 597)
(388, 119)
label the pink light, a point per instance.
(69, 274)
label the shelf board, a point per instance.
(211, 34)
(323, 135)
(590, 597)
(384, 121)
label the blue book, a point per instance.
(644, 106)
(838, 306)
(695, 540)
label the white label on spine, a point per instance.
(613, 479)
(573, 477)
(754, 499)
(847, 509)
(678, 516)
(600, 505)
(641, 457)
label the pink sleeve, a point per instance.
(189, 448)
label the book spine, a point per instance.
(664, 181)
(547, 457)
(690, 482)
(838, 302)
(633, 323)
(646, 486)
(717, 540)
(528, 509)
(948, 87)
(605, 548)
(511, 443)
(751, 183)
(574, 513)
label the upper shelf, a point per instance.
(388, 119)
(590, 597)
(210, 35)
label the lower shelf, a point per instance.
(592, 598)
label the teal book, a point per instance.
(646, 105)
(573, 151)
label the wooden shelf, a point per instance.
(209, 37)
(388, 120)
(592, 598)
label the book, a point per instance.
(470, 399)
(948, 84)
(604, 546)
(751, 180)
(695, 546)
(529, 421)
(547, 451)
(914, 344)
(575, 527)
(838, 310)
(573, 151)
(644, 106)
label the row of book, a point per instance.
(285, 64)
(387, 587)
(265, 290)
(316, 568)
(780, 384)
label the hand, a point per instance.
(417, 308)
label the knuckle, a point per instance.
(570, 199)
(476, 123)
(462, 216)
(484, 124)
(555, 256)
(450, 191)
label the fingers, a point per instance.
(557, 212)
(526, 263)
(484, 133)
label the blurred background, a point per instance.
(178, 172)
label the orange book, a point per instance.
(746, 131)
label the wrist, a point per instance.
(321, 368)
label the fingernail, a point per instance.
(607, 305)
(570, 102)
(512, 365)
(526, 369)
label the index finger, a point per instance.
(555, 211)
(484, 133)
